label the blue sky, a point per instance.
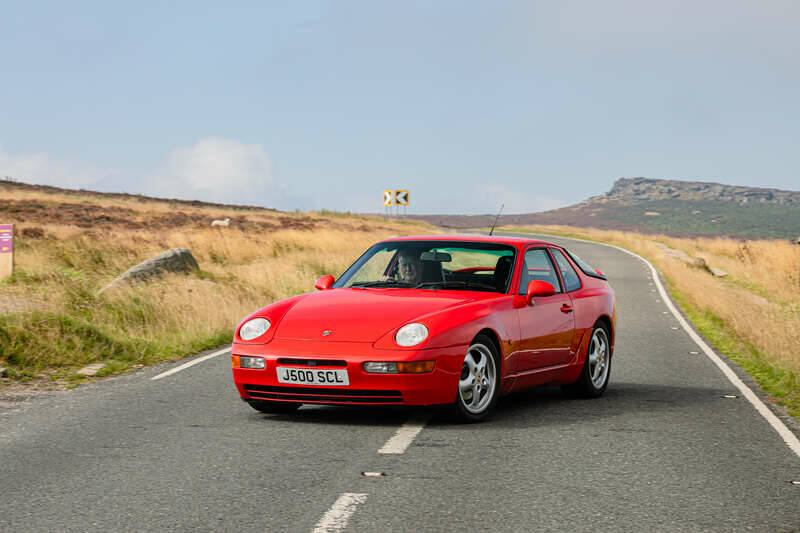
(311, 104)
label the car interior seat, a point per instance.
(432, 271)
(502, 271)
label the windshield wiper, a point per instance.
(454, 283)
(389, 282)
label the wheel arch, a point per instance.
(497, 344)
(606, 320)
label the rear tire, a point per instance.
(273, 408)
(479, 382)
(596, 368)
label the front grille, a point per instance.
(311, 362)
(323, 394)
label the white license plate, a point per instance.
(316, 376)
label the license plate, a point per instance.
(316, 376)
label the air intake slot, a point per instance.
(311, 362)
(323, 394)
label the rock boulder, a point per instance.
(175, 260)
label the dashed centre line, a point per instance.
(405, 435)
(340, 512)
(337, 516)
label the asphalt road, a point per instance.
(662, 450)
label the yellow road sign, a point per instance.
(387, 197)
(401, 197)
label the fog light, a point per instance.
(414, 367)
(256, 363)
(380, 367)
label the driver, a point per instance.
(409, 267)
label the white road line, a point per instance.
(777, 424)
(337, 516)
(405, 435)
(191, 363)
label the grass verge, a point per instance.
(782, 386)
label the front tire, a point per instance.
(596, 368)
(479, 382)
(273, 408)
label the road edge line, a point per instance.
(777, 424)
(191, 363)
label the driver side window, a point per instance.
(537, 266)
(374, 268)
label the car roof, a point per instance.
(499, 239)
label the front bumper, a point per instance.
(431, 388)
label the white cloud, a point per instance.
(42, 169)
(217, 170)
(212, 170)
(228, 171)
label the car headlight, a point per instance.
(253, 328)
(411, 334)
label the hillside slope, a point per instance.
(679, 208)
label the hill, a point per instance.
(679, 208)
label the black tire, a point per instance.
(468, 411)
(589, 384)
(273, 408)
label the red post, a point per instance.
(6, 250)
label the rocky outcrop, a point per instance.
(174, 260)
(646, 189)
(697, 262)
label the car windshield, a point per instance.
(453, 265)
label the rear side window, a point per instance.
(571, 280)
(538, 266)
(586, 267)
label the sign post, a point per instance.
(388, 196)
(6, 250)
(401, 198)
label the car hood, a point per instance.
(360, 315)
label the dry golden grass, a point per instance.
(241, 270)
(758, 301)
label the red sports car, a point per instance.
(429, 320)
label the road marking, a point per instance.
(405, 434)
(191, 363)
(337, 516)
(777, 424)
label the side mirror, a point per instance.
(324, 283)
(538, 288)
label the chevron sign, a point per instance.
(401, 197)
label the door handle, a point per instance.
(566, 308)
